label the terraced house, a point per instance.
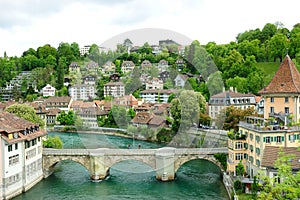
(258, 138)
(20, 155)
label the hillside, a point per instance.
(269, 69)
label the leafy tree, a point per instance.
(240, 169)
(53, 142)
(65, 50)
(116, 118)
(278, 45)
(186, 108)
(268, 31)
(66, 118)
(288, 187)
(26, 112)
(45, 51)
(60, 72)
(100, 86)
(222, 158)
(229, 117)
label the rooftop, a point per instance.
(271, 153)
(286, 79)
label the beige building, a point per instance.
(259, 137)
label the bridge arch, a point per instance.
(182, 160)
(50, 163)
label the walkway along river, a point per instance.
(197, 179)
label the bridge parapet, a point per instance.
(165, 161)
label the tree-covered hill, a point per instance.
(247, 64)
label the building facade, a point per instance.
(114, 89)
(222, 100)
(82, 92)
(48, 91)
(21, 155)
(258, 137)
(157, 96)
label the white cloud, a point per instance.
(32, 23)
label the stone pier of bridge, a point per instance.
(165, 161)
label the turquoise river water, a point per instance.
(197, 179)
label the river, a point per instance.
(197, 179)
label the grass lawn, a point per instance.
(245, 196)
(269, 69)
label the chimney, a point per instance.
(231, 88)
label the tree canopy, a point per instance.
(26, 112)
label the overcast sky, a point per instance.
(33, 23)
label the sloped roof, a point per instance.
(271, 153)
(286, 79)
(231, 93)
(65, 99)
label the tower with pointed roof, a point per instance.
(282, 94)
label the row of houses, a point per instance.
(127, 66)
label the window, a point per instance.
(279, 139)
(267, 140)
(286, 99)
(292, 138)
(238, 145)
(239, 156)
(246, 145)
(251, 136)
(13, 160)
(257, 162)
(286, 110)
(9, 148)
(251, 148)
(251, 159)
(16, 146)
(257, 138)
(272, 99)
(245, 156)
(257, 150)
(271, 109)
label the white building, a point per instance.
(127, 66)
(114, 89)
(20, 155)
(155, 83)
(48, 91)
(85, 50)
(180, 80)
(156, 96)
(82, 92)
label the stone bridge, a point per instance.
(165, 161)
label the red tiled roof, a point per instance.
(286, 79)
(10, 123)
(271, 153)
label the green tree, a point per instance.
(288, 187)
(53, 142)
(26, 112)
(240, 169)
(66, 118)
(229, 117)
(60, 72)
(185, 109)
(278, 45)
